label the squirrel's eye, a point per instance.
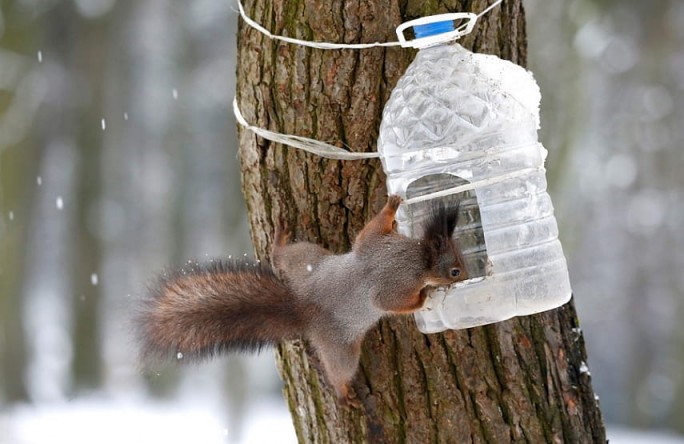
(455, 272)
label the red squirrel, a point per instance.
(329, 299)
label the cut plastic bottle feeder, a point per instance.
(466, 124)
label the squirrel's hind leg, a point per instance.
(340, 361)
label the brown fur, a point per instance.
(203, 310)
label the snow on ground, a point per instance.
(623, 435)
(106, 421)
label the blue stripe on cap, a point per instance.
(433, 28)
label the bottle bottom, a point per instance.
(496, 298)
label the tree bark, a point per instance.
(515, 381)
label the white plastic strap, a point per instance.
(472, 185)
(319, 45)
(457, 33)
(313, 146)
(489, 8)
(332, 152)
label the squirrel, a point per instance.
(309, 293)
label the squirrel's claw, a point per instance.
(394, 201)
(347, 398)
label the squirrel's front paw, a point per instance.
(394, 201)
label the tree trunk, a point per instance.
(515, 381)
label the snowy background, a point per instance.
(118, 157)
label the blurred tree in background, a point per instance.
(118, 157)
(611, 75)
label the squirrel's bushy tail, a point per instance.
(203, 310)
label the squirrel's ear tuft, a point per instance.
(441, 223)
(451, 217)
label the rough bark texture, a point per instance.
(516, 381)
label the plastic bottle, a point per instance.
(459, 119)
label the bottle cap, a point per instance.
(436, 29)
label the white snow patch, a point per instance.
(106, 423)
(584, 368)
(624, 435)
(114, 421)
(94, 279)
(59, 202)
